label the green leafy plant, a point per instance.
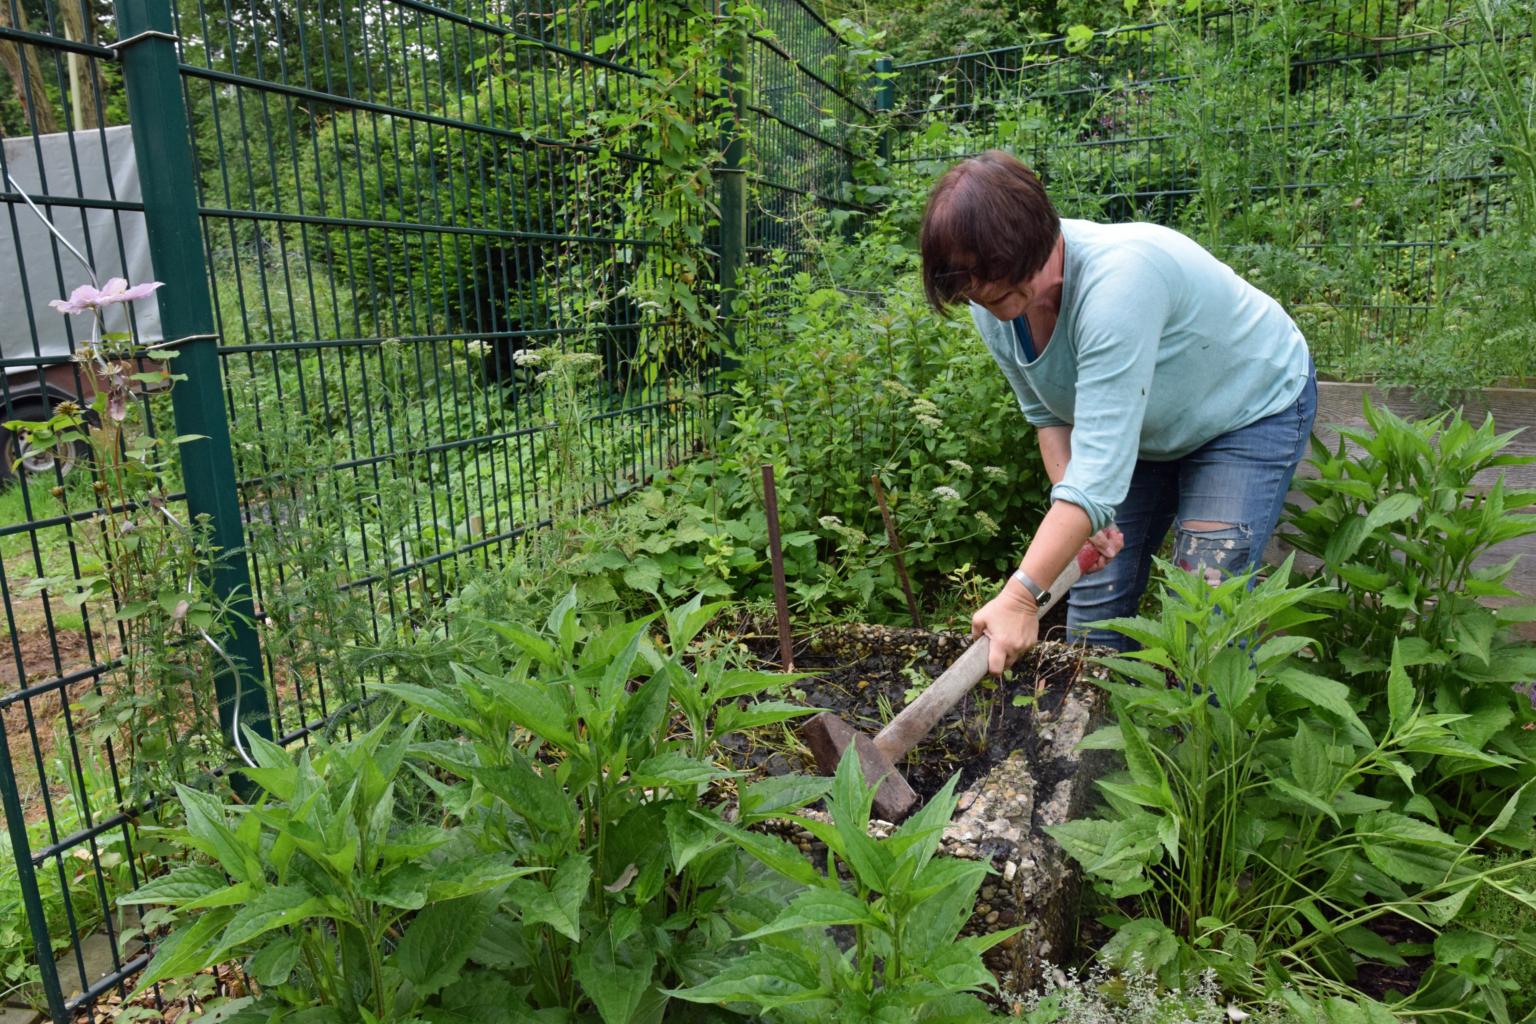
(333, 905)
(589, 755)
(1402, 527)
(144, 569)
(905, 906)
(1246, 831)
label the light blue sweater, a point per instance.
(1159, 347)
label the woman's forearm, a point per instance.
(1061, 536)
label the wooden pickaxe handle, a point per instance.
(918, 718)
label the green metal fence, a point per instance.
(385, 230)
(1335, 154)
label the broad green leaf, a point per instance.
(185, 951)
(557, 904)
(1369, 944)
(1361, 1009)
(1084, 839)
(944, 897)
(1107, 737)
(616, 981)
(209, 832)
(1452, 947)
(616, 675)
(769, 979)
(1140, 758)
(783, 857)
(849, 803)
(957, 968)
(271, 909)
(765, 712)
(529, 705)
(1392, 509)
(676, 770)
(684, 623)
(818, 908)
(562, 623)
(437, 703)
(736, 682)
(1310, 764)
(229, 896)
(536, 796)
(1474, 629)
(781, 793)
(181, 885)
(482, 998)
(1145, 944)
(529, 643)
(1401, 695)
(687, 835)
(918, 838)
(1324, 693)
(274, 962)
(612, 643)
(645, 713)
(474, 875)
(403, 887)
(434, 947)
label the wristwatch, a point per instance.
(1039, 593)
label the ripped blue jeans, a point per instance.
(1222, 500)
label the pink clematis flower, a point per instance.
(89, 297)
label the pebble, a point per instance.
(1009, 870)
(992, 917)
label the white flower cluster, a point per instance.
(994, 472)
(960, 467)
(988, 524)
(946, 493)
(1132, 997)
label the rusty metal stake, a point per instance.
(901, 562)
(776, 554)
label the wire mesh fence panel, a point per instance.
(804, 103)
(77, 757)
(435, 275)
(1336, 156)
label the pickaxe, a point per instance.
(829, 737)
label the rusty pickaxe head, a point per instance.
(829, 737)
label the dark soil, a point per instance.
(864, 673)
(1381, 980)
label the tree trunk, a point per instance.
(85, 83)
(20, 63)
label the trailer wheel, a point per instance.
(40, 466)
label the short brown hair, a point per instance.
(988, 220)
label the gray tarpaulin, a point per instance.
(47, 166)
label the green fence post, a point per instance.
(885, 100)
(26, 880)
(733, 194)
(162, 144)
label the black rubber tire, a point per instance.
(40, 469)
